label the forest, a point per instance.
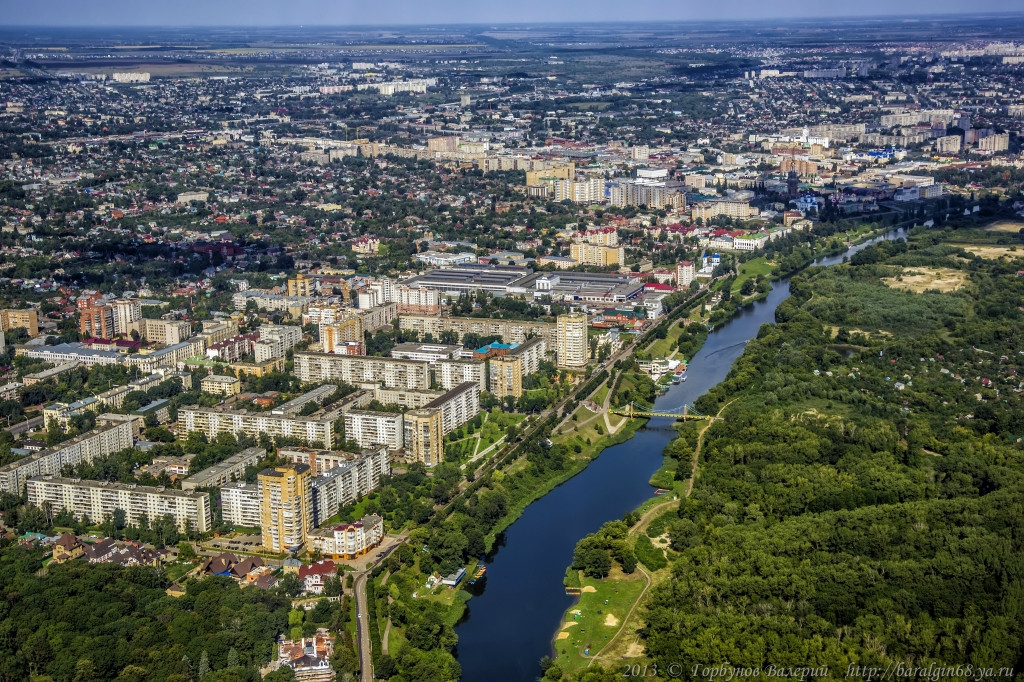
(86, 622)
(863, 500)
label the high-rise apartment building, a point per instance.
(303, 285)
(127, 312)
(424, 435)
(286, 507)
(594, 254)
(346, 328)
(97, 322)
(572, 348)
(12, 319)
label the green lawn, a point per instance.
(177, 569)
(756, 267)
(596, 617)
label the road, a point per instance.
(33, 423)
(362, 629)
(362, 618)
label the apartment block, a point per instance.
(231, 469)
(510, 331)
(218, 384)
(594, 254)
(572, 347)
(362, 369)
(347, 482)
(347, 328)
(215, 332)
(99, 499)
(85, 448)
(423, 435)
(286, 507)
(240, 504)
(369, 428)
(127, 313)
(348, 540)
(685, 272)
(96, 322)
(370, 464)
(995, 143)
(303, 285)
(275, 340)
(379, 316)
(426, 352)
(212, 422)
(167, 357)
(164, 332)
(457, 406)
(451, 373)
(506, 376)
(12, 319)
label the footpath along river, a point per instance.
(510, 622)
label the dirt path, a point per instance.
(384, 638)
(645, 520)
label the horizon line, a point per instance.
(915, 18)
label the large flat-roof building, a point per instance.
(99, 499)
(469, 277)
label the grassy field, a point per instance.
(993, 252)
(757, 267)
(602, 606)
(1006, 226)
(919, 279)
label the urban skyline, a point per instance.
(65, 13)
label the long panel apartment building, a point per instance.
(510, 331)
(96, 443)
(231, 469)
(99, 499)
(212, 422)
(361, 370)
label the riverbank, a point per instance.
(609, 606)
(580, 463)
(523, 600)
(611, 644)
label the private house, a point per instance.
(315, 576)
(66, 548)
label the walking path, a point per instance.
(645, 520)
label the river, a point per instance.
(510, 622)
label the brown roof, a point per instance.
(68, 541)
(221, 563)
(245, 565)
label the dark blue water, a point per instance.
(509, 627)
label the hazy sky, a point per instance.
(342, 12)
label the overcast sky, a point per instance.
(347, 12)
